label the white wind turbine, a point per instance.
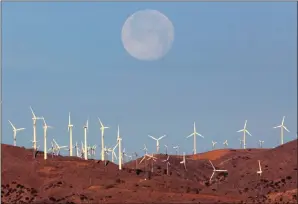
(15, 130)
(282, 127)
(157, 142)
(153, 159)
(240, 142)
(166, 148)
(213, 144)
(34, 119)
(261, 143)
(70, 126)
(168, 163)
(244, 130)
(85, 138)
(176, 149)
(145, 149)
(45, 128)
(77, 149)
(260, 169)
(184, 161)
(194, 134)
(113, 152)
(215, 170)
(226, 143)
(57, 148)
(102, 128)
(119, 141)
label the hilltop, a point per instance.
(73, 180)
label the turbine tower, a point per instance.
(282, 127)
(102, 128)
(45, 128)
(70, 126)
(34, 118)
(15, 130)
(244, 130)
(119, 139)
(194, 134)
(157, 142)
(85, 137)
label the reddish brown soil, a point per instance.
(73, 180)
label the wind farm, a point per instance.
(109, 105)
(217, 169)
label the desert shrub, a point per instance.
(289, 177)
(138, 171)
(52, 199)
(187, 189)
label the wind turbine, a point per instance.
(77, 149)
(184, 161)
(70, 126)
(85, 137)
(102, 128)
(157, 141)
(213, 144)
(244, 130)
(57, 147)
(45, 128)
(113, 152)
(15, 130)
(261, 143)
(282, 127)
(153, 159)
(240, 142)
(168, 163)
(166, 147)
(34, 118)
(176, 149)
(194, 134)
(119, 141)
(226, 143)
(215, 170)
(145, 149)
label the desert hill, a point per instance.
(73, 180)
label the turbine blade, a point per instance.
(13, 127)
(69, 118)
(248, 132)
(190, 135)
(161, 137)
(32, 112)
(240, 130)
(286, 128)
(152, 137)
(212, 175)
(200, 135)
(100, 122)
(283, 120)
(212, 165)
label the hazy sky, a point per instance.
(229, 62)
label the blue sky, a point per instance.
(229, 62)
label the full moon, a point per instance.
(147, 35)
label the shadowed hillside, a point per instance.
(73, 180)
